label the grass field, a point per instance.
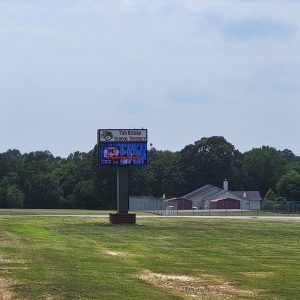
(25, 212)
(87, 258)
(233, 213)
(51, 212)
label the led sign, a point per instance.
(122, 146)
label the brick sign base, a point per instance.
(119, 218)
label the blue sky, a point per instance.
(182, 69)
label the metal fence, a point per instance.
(282, 207)
(152, 204)
(162, 207)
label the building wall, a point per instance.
(145, 203)
(181, 204)
(251, 205)
(225, 204)
(244, 204)
(199, 203)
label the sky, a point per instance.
(183, 69)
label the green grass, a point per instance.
(68, 258)
(25, 211)
(233, 213)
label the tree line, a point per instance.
(40, 180)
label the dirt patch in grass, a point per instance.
(7, 263)
(259, 274)
(4, 241)
(5, 259)
(117, 253)
(7, 268)
(48, 297)
(8, 259)
(5, 292)
(205, 287)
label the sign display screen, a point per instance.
(122, 146)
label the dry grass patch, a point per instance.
(7, 268)
(205, 287)
(4, 242)
(48, 297)
(5, 259)
(259, 274)
(6, 264)
(5, 292)
(117, 253)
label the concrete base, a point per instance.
(119, 218)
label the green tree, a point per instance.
(159, 165)
(68, 172)
(173, 180)
(140, 181)
(210, 161)
(262, 167)
(85, 195)
(42, 191)
(269, 200)
(288, 155)
(270, 196)
(11, 161)
(14, 197)
(292, 166)
(10, 195)
(35, 163)
(289, 186)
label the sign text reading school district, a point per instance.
(122, 135)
